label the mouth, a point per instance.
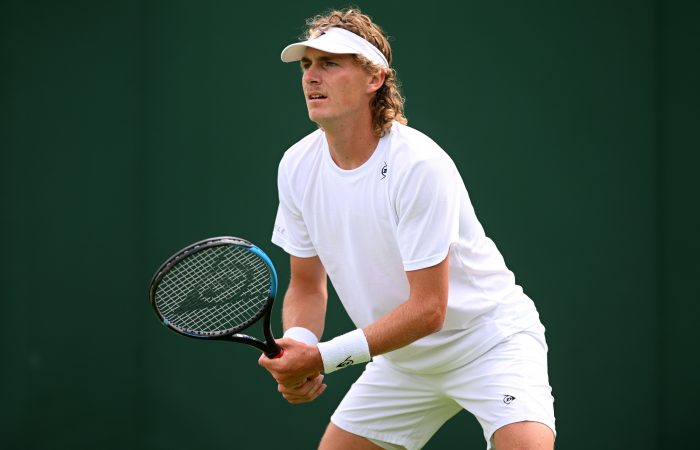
(315, 96)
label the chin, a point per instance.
(317, 118)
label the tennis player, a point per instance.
(381, 210)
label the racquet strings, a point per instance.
(215, 290)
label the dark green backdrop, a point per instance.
(129, 129)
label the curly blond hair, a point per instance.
(387, 103)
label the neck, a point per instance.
(351, 145)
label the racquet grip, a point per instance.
(273, 355)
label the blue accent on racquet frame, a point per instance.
(273, 272)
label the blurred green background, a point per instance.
(129, 129)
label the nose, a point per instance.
(310, 75)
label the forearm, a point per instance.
(303, 308)
(423, 313)
(415, 318)
(410, 321)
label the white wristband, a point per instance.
(345, 350)
(301, 334)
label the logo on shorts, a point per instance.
(508, 399)
(347, 362)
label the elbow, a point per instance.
(434, 318)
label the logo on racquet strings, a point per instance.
(217, 286)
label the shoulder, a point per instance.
(302, 153)
(411, 150)
(406, 135)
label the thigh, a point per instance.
(524, 435)
(338, 439)
(392, 406)
(507, 385)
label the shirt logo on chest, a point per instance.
(384, 171)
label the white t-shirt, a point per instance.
(402, 210)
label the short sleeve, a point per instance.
(290, 231)
(428, 212)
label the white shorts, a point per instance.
(399, 409)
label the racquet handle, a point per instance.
(275, 353)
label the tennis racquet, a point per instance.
(215, 288)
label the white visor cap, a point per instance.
(339, 41)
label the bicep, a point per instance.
(430, 285)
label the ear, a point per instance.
(376, 81)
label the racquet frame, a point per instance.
(269, 347)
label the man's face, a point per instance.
(336, 88)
